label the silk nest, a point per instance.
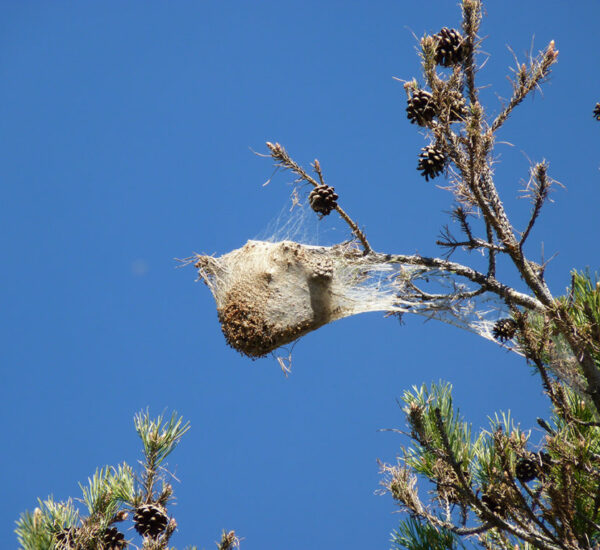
(269, 294)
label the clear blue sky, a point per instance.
(127, 130)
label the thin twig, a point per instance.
(473, 244)
(444, 298)
(492, 252)
(280, 155)
(471, 22)
(361, 236)
(317, 167)
(490, 283)
(541, 187)
(527, 80)
(460, 215)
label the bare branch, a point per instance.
(317, 166)
(460, 215)
(492, 252)
(282, 158)
(475, 243)
(538, 188)
(510, 295)
(527, 79)
(471, 22)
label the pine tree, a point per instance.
(115, 496)
(494, 489)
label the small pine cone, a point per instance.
(492, 500)
(150, 520)
(431, 162)
(420, 108)
(527, 468)
(450, 49)
(504, 329)
(113, 539)
(66, 539)
(597, 111)
(323, 199)
(457, 107)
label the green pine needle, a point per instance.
(159, 437)
(415, 535)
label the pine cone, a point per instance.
(420, 108)
(492, 499)
(504, 329)
(65, 539)
(431, 162)
(323, 199)
(150, 520)
(536, 465)
(113, 539)
(527, 468)
(456, 106)
(597, 111)
(450, 49)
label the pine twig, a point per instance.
(317, 167)
(489, 283)
(471, 22)
(527, 79)
(540, 187)
(282, 158)
(448, 241)
(492, 251)
(229, 540)
(461, 216)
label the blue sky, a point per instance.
(128, 131)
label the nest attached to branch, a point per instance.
(269, 294)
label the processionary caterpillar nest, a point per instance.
(269, 294)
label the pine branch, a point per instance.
(492, 252)
(539, 187)
(522, 505)
(471, 21)
(475, 243)
(159, 439)
(109, 496)
(510, 295)
(228, 541)
(527, 79)
(282, 158)
(416, 535)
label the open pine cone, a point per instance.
(323, 199)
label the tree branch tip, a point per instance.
(275, 148)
